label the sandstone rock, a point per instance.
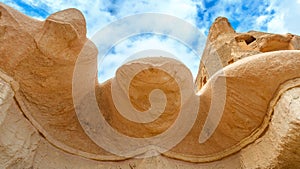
(247, 108)
(43, 65)
(225, 46)
(6, 95)
(279, 146)
(18, 138)
(242, 117)
(220, 27)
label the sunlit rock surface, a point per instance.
(231, 46)
(39, 128)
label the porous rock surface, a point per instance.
(39, 127)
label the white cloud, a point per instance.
(277, 24)
(98, 13)
(126, 48)
(260, 21)
(286, 17)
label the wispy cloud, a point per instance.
(243, 15)
(286, 17)
(38, 11)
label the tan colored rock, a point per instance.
(248, 109)
(18, 139)
(43, 64)
(242, 117)
(6, 95)
(225, 46)
(220, 27)
(279, 146)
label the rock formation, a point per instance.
(252, 78)
(230, 47)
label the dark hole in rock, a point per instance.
(230, 61)
(245, 38)
(204, 80)
(250, 39)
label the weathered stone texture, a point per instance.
(226, 46)
(39, 127)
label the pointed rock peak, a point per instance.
(220, 26)
(73, 17)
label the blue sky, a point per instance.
(275, 16)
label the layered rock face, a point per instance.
(245, 114)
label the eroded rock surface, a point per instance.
(39, 126)
(226, 46)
